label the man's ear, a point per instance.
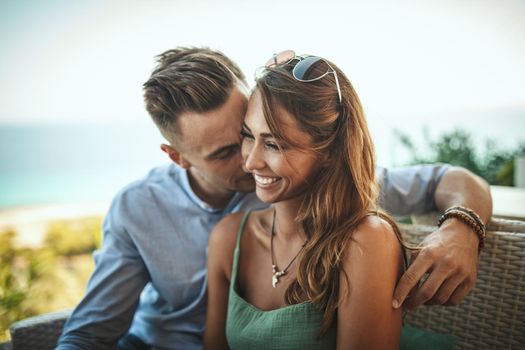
(175, 156)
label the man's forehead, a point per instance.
(209, 134)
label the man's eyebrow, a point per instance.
(220, 150)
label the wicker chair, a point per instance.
(491, 317)
(39, 332)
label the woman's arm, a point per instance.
(373, 263)
(220, 259)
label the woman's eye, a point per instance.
(272, 146)
(246, 135)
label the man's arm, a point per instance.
(410, 190)
(450, 254)
(459, 186)
(106, 311)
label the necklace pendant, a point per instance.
(275, 278)
(276, 275)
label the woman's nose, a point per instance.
(251, 156)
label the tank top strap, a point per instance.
(236, 252)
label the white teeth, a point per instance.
(264, 180)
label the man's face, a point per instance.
(210, 142)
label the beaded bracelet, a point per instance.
(472, 221)
(471, 213)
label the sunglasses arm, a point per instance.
(338, 87)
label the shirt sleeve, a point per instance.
(106, 311)
(410, 190)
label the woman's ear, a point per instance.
(175, 156)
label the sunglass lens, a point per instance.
(281, 57)
(310, 68)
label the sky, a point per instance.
(71, 73)
(81, 61)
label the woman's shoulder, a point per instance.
(221, 244)
(224, 233)
(375, 229)
(375, 239)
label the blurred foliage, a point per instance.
(494, 164)
(20, 269)
(73, 237)
(47, 278)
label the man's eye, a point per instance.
(227, 153)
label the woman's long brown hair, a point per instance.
(342, 194)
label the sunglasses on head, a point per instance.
(302, 71)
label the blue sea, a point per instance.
(60, 163)
(63, 163)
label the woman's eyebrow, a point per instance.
(244, 126)
(264, 135)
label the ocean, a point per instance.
(61, 163)
(65, 163)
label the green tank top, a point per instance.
(292, 327)
(297, 326)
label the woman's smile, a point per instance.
(265, 181)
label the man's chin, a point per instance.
(246, 186)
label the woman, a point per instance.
(318, 269)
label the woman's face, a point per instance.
(281, 171)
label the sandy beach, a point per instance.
(31, 222)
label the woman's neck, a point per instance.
(286, 226)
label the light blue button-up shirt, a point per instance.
(150, 273)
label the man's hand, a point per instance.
(449, 257)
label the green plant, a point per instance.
(72, 237)
(48, 278)
(456, 147)
(20, 270)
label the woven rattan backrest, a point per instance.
(493, 314)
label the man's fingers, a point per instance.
(426, 291)
(413, 256)
(444, 293)
(459, 294)
(409, 280)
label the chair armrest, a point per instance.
(38, 332)
(6, 346)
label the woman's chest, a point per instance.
(260, 284)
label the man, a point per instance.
(156, 231)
